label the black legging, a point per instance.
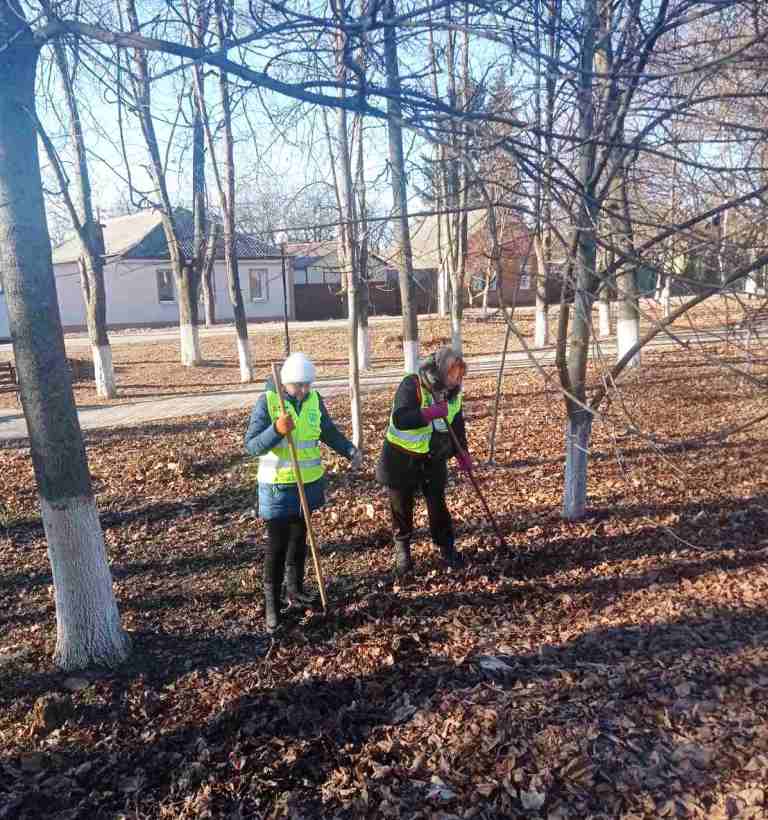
(287, 545)
(401, 503)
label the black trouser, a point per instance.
(287, 545)
(401, 501)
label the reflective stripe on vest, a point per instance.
(276, 467)
(417, 441)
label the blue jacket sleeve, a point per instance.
(332, 436)
(261, 435)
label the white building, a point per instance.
(140, 287)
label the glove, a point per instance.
(284, 424)
(464, 461)
(356, 459)
(435, 411)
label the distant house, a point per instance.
(139, 283)
(320, 292)
(517, 255)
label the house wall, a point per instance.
(133, 300)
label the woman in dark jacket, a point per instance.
(416, 451)
(279, 503)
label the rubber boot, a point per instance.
(271, 607)
(455, 560)
(403, 561)
(294, 581)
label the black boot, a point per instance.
(294, 584)
(455, 560)
(403, 562)
(271, 607)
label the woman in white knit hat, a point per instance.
(307, 418)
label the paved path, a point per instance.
(13, 425)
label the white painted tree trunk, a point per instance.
(666, 296)
(244, 357)
(88, 627)
(577, 437)
(541, 332)
(627, 335)
(457, 341)
(485, 298)
(411, 356)
(190, 345)
(604, 318)
(104, 371)
(364, 347)
(442, 293)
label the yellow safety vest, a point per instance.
(276, 466)
(417, 441)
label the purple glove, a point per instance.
(435, 411)
(464, 461)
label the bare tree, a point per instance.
(86, 226)
(400, 200)
(226, 188)
(348, 236)
(88, 624)
(183, 270)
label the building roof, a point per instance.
(141, 236)
(426, 239)
(306, 254)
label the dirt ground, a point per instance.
(614, 667)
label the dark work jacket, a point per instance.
(398, 468)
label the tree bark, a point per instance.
(207, 276)
(402, 229)
(88, 623)
(578, 429)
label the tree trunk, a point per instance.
(577, 439)
(604, 313)
(579, 429)
(184, 273)
(207, 277)
(400, 201)
(542, 196)
(350, 249)
(226, 191)
(364, 288)
(91, 263)
(363, 328)
(541, 331)
(88, 623)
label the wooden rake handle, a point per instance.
(302, 494)
(488, 513)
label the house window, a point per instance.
(333, 277)
(165, 292)
(477, 283)
(258, 282)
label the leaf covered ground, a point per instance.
(615, 667)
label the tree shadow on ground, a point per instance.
(327, 722)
